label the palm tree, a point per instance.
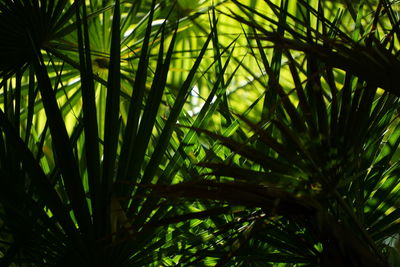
(87, 115)
(173, 133)
(316, 165)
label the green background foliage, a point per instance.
(199, 133)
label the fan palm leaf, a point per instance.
(67, 181)
(323, 136)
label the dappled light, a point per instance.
(199, 133)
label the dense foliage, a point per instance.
(199, 133)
